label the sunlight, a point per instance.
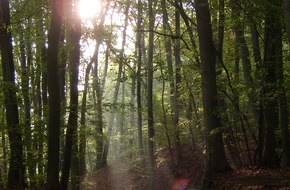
(88, 9)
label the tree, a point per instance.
(139, 79)
(178, 63)
(118, 82)
(26, 63)
(54, 95)
(16, 168)
(270, 111)
(245, 57)
(215, 155)
(286, 6)
(150, 115)
(40, 99)
(148, 63)
(71, 141)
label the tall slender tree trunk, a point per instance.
(139, 79)
(71, 141)
(16, 167)
(286, 7)
(83, 141)
(62, 81)
(283, 102)
(122, 120)
(40, 101)
(215, 155)
(272, 57)
(133, 108)
(26, 61)
(283, 105)
(99, 116)
(246, 63)
(150, 112)
(4, 147)
(171, 76)
(54, 95)
(82, 146)
(117, 86)
(165, 118)
(178, 62)
(151, 132)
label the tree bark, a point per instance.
(25, 83)
(54, 95)
(246, 63)
(71, 141)
(40, 101)
(178, 62)
(117, 86)
(269, 86)
(284, 108)
(83, 141)
(132, 108)
(62, 84)
(151, 132)
(215, 156)
(286, 6)
(16, 167)
(139, 79)
(171, 75)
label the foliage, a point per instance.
(109, 40)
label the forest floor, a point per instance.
(131, 175)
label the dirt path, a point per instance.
(117, 176)
(133, 176)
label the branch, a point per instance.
(168, 35)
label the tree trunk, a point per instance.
(286, 6)
(54, 95)
(176, 105)
(74, 35)
(122, 120)
(132, 108)
(216, 160)
(16, 169)
(117, 87)
(62, 82)
(272, 56)
(246, 63)
(283, 107)
(151, 132)
(83, 141)
(139, 79)
(171, 76)
(25, 83)
(40, 101)
(283, 102)
(99, 114)
(4, 147)
(167, 133)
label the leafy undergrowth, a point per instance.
(133, 176)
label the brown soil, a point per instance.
(132, 175)
(253, 178)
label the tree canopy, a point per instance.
(89, 83)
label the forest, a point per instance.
(149, 95)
